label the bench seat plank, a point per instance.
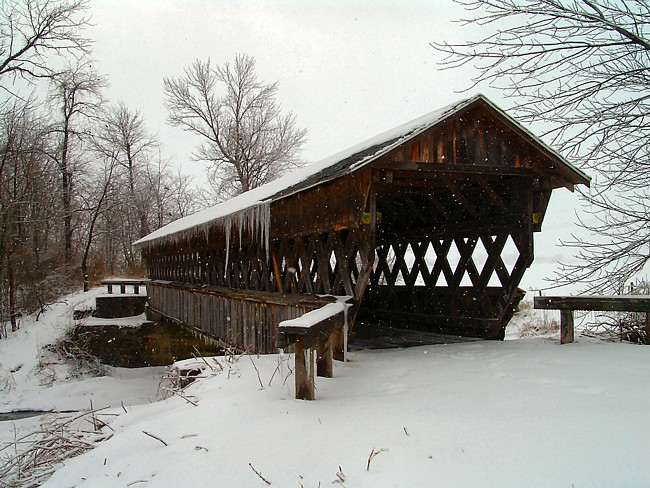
(313, 330)
(601, 303)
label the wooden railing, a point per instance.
(123, 283)
(243, 318)
(313, 333)
(615, 303)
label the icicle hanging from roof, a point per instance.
(255, 220)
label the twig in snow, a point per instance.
(216, 361)
(98, 425)
(259, 474)
(289, 373)
(154, 437)
(406, 431)
(277, 368)
(340, 478)
(92, 416)
(181, 394)
(37, 454)
(373, 453)
(257, 371)
(123, 407)
(197, 352)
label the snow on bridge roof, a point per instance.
(347, 161)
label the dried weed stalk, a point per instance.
(70, 350)
(30, 460)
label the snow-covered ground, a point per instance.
(25, 385)
(524, 412)
(31, 379)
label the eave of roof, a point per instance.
(578, 177)
(345, 162)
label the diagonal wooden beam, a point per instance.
(465, 249)
(494, 196)
(438, 206)
(442, 264)
(420, 265)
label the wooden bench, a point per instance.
(123, 283)
(312, 331)
(615, 303)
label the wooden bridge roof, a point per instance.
(561, 172)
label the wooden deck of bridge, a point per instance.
(369, 335)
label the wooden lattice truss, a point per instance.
(434, 229)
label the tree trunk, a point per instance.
(11, 282)
(66, 183)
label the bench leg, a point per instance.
(338, 344)
(304, 378)
(566, 327)
(324, 358)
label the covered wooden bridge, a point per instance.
(430, 225)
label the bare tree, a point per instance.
(246, 139)
(123, 137)
(35, 35)
(172, 194)
(76, 95)
(581, 68)
(95, 203)
(25, 183)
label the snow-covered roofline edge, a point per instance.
(252, 209)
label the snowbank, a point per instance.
(490, 414)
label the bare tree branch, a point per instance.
(246, 139)
(35, 35)
(581, 70)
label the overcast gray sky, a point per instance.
(348, 69)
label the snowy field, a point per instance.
(524, 412)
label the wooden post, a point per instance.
(110, 289)
(324, 358)
(122, 288)
(647, 328)
(312, 380)
(338, 345)
(304, 390)
(136, 288)
(566, 326)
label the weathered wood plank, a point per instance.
(313, 331)
(324, 358)
(302, 372)
(616, 303)
(566, 327)
(567, 304)
(311, 335)
(235, 316)
(136, 283)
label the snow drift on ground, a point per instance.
(525, 412)
(23, 385)
(31, 379)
